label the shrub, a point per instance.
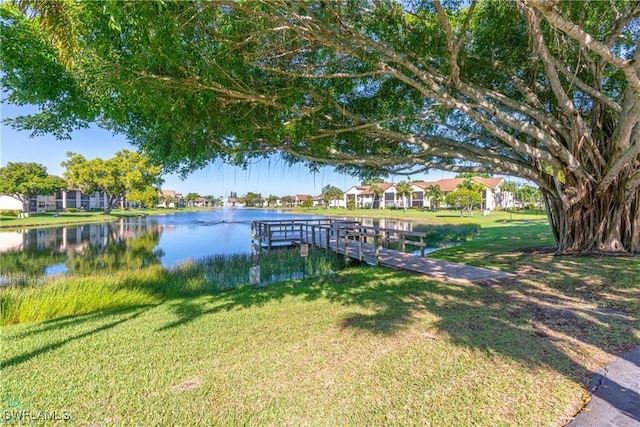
(9, 212)
(439, 234)
(72, 210)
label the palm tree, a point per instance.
(403, 189)
(470, 184)
(435, 194)
(331, 193)
(377, 192)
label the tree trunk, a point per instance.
(605, 223)
(112, 201)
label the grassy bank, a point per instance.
(46, 219)
(31, 300)
(495, 218)
(364, 346)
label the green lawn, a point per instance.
(495, 218)
(63, 218)
(361, 347)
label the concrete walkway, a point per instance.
(615, 394)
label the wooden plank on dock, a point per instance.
(352, 240)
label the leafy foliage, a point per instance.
(544, 91)
(251, 199)
(331, 193)
(190, 198)
(436, 195)
(463, 199)
(26, 180)
(125, 174)
(403, 190)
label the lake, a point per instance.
(134, 243)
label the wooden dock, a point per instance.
(374, 245)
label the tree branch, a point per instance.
(556, 20)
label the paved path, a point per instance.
(615, 394)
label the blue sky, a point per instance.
(267, 177)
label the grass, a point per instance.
(365, 346)
(443, 234)
(46, 219)
(32, 299)
(449, 217)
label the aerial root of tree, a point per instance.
(602, 224)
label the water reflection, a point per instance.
(138, 242)
(80, 249)
(117, 252)
(32, 261)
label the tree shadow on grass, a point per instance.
(541, 319)
(527, 320)
(65, 322)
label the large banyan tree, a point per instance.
(546, 90)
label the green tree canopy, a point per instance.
(147, 197)
(472, 174)
(527, 193)
(463, 199)
(124, 174)
(331, 193)
(307, 202)
(470, 184)
(190, 198)
(272, 200)
(372, 181)
(546, 91)
(26, 180)
(251, 199)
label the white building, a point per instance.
(362, 196)
(62, 200)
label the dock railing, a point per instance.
(349, 237)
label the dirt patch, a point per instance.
(187, 385)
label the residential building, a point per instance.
(298, 199)
(62, 200)
(170, 199)
(364, 197)
(232, 202)
(492, 196)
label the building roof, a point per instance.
(489, 182)
(449, 184)
(366, 189)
